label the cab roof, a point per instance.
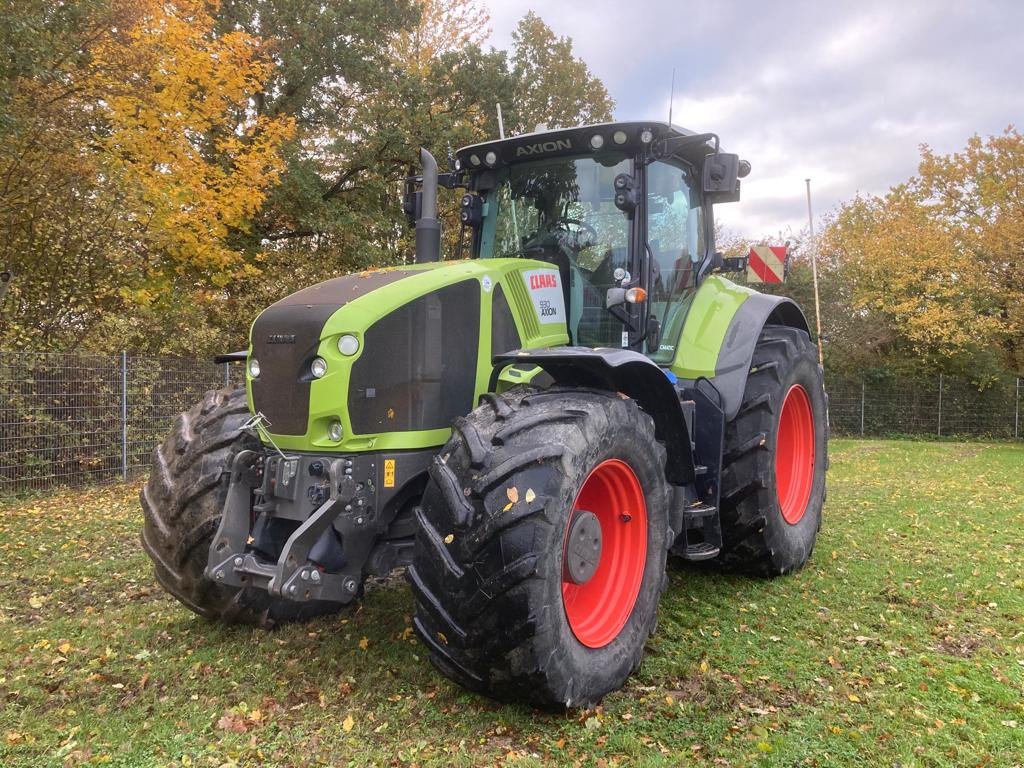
(629, 137)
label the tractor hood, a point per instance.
(425, 336)
(285, 339)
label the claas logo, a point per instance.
(543, 281)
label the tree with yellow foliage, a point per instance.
(937, 260)
(180, 132)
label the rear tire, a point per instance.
(775, 457)
(498, 606)
(182, 503)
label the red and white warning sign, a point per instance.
(766, 264)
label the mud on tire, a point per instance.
(182, 503)
(757, 537)
(488, 567)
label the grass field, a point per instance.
(901, 643)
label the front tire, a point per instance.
(775, 457)
(541, 546)
(182, 504)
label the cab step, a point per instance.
(700, 551)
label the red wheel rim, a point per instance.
(794, 455)
(598, 609)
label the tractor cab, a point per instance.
(622, 210)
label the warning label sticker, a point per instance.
(389, 473)
(545, 289)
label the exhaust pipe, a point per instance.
(428, 228)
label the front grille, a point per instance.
(419, 368)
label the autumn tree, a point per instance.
(934, 260)
(135, 160)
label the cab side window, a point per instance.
(675, 229)
(675, 234)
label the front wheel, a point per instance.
(775, 457)
(541, 545)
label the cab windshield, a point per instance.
(562, 211)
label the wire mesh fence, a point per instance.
(78, 419)
(75, 419)
(940, 407)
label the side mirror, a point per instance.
(721, 178)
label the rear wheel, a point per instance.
(541, 546)
(182, 503)
(773, 475)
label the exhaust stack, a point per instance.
(428, 228)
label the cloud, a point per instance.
(843, 93)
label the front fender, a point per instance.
(619, 370)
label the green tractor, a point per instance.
(530, 432)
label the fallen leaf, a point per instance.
(229, 721)
(364, 643)
(348, 724)
(64, 647)
(854, 698)
(513, 494)
(530, 495)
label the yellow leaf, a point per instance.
(348, 724)
(513, 494)
(64, 647)
(364, 643)
(530, 495)
(449, 538)
(854, 698)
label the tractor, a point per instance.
(529, 428)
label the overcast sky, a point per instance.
(841, 92)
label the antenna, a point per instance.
(671, 95)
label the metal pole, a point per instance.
(227, 376)
(1016, 410)
(940, 405)
(862, 409)
(124, 415)
(814, 273)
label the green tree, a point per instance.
(552, 85)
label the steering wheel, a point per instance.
(582, 228)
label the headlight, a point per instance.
(334, 431)
(348, 345)
(318, 367)
(596, 141)
(619, 137)
(254, 368)
(491, 159)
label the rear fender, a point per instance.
(618, 370)
(720, 333)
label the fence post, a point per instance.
(124, 415)
(940, 405)
(862, 409)
(1016, 410)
